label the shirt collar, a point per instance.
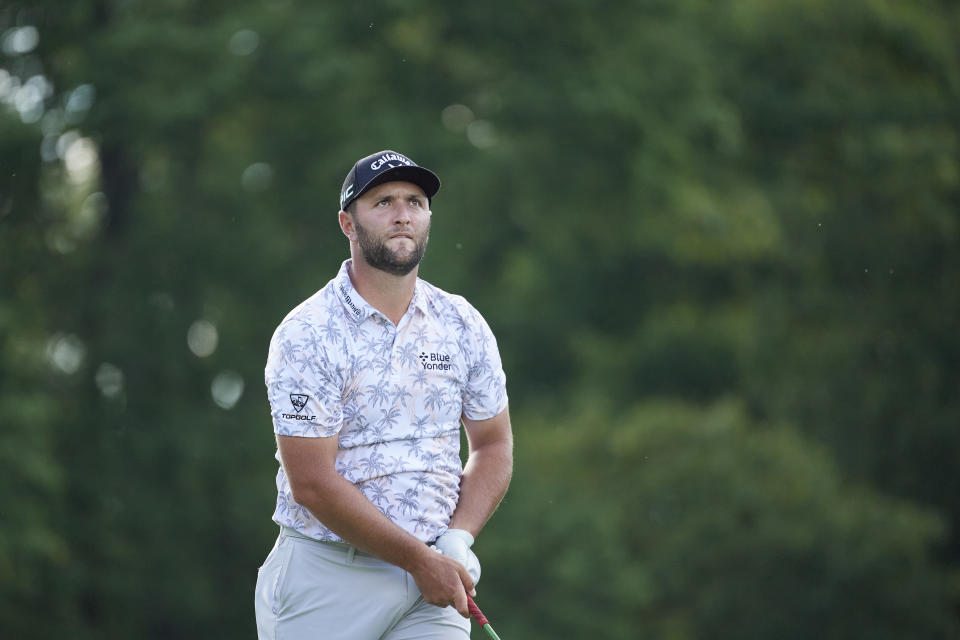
(419, 300)
(358, 308)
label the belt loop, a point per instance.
(352, 551)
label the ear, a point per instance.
(346, 224)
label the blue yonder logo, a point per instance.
(435, 361)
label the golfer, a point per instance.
(369, 381)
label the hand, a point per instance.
(443, 581)
(456, 544)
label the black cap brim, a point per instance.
(423, 178)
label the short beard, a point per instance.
(379, 256)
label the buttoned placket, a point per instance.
(396, 347)
(392, 328)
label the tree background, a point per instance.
(717, 241)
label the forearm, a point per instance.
(485, 479)
(310, 466)
(343, 509)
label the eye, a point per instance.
(384, 202)
(416, 202)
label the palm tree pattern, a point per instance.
(393, 394)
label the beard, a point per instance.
(378, 255)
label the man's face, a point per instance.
(392, 222)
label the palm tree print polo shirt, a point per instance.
(393, 394)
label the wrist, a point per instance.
(416, 558)
(461, 534)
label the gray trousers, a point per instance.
(310, 590)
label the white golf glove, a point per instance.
(456, 544)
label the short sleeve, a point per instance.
(303, 385)
(485, 394)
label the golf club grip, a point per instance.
(475, 612)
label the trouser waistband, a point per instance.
(346, 547)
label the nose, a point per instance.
(401, 215)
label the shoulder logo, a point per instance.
(299, 401)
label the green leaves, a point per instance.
(693, 522)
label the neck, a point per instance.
(387, 293)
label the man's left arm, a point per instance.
(487, 473)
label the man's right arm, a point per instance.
(309, 464)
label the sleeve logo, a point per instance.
(299, 401)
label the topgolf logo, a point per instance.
(299, 402)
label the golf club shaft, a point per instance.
(481, 619)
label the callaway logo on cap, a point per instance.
(385, 166)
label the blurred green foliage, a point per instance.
(695, 522)
(717, 241)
